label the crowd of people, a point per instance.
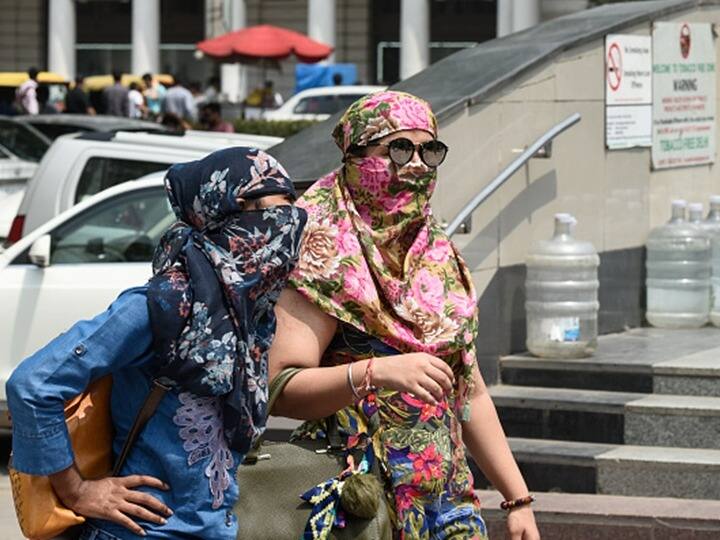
(179, 106)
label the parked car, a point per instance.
(319, 103)
(79, 166)
(22, 140)
(73, 266)
(54, 125)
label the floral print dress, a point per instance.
(419, 448)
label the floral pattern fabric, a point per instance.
(201, 430)
(217, 275)
(418, 445)
(375, 258)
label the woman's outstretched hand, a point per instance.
(521, 524)
(425, 376)
(112, 498)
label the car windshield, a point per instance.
(21, 141)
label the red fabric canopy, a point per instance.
(264, 42)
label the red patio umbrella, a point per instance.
(264, 42)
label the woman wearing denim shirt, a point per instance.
(202, 325)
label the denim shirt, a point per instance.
(182, 444)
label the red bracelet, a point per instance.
(367, 384)
(522, 501)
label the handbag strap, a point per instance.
(277, 386)
(153, 399)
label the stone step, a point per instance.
(644, 360)
(628, 470)
(609, 417)
(609, 517)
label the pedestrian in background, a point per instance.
(179, 101)
(26, 95)
(76, 100)
(136, 102)
(154, 95)
(43, 98)
(211, 119)
(115, 97)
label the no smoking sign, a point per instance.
(628, 69)
(614, 67)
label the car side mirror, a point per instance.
(39, 253)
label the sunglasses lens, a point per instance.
(433, 153)
(401, 151)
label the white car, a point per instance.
(80, 165)
(319, 103)
(75, 265)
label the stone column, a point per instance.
(233, 77)
(414, 37)
(145, 36)
(504, 18)
(321, 23)
(61, 37)
(525, 13)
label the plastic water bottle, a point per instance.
(562, 294)
(712, 226)
(678, 273)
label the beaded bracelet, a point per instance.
(515, 503)
(351, 384)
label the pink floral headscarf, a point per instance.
(373, 255)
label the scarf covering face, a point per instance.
(217, 275)
(373, 255)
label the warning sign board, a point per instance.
(628, 70)
(628, 91)
(684, 81)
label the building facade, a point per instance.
(379, 36)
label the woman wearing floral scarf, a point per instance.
(202, 326)
(382, 300)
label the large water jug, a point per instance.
(678, 273)
(711, 225)
(562, 294)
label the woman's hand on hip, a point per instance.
(521, 524)
(115, 499)
(425, 376)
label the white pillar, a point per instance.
(504, 18)
(61, 37)
(145, 36)
(525, 13)
(233, 77)
(321, 23)
(414, 37)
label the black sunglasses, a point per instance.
(432, 153)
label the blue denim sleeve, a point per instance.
(38, 388)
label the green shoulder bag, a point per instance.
(274, 475)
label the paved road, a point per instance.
(9, 529)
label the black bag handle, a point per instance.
(153, 399)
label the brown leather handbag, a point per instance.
(40, 513)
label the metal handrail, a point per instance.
(508, 171)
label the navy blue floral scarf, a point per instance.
(217, 275)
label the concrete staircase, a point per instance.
(641, 418)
